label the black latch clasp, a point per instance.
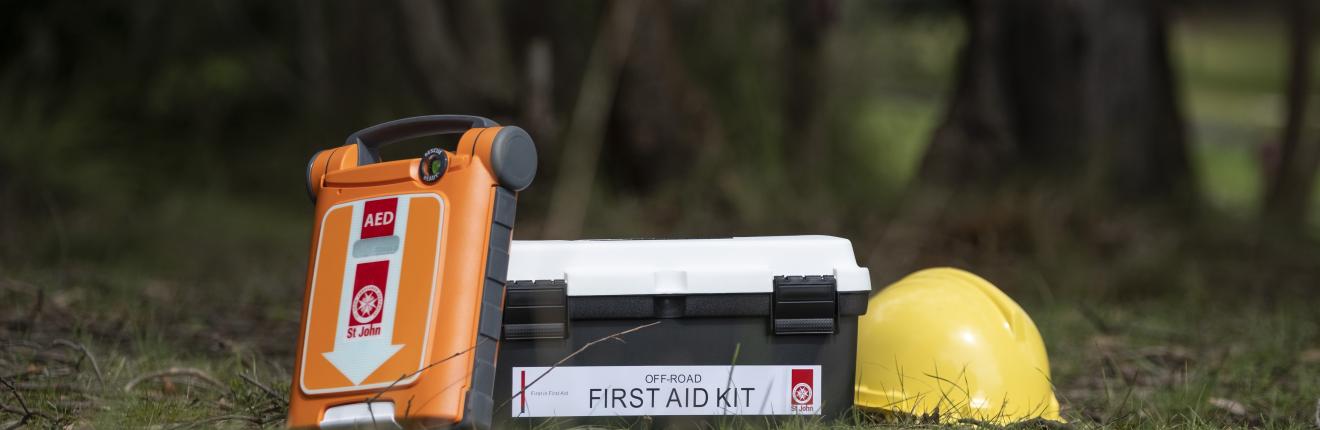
(536, 310)
(805, 305)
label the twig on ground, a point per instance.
(48, 386)
(87, 353)
(8, 409)
(27, 413)
(175, 371)
(263, 387)
(570, 356)
(21, 344)
(48, 356)
(23, 417)
(18, 396)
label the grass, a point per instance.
(1150, 372)
(1154, 366)
(1164, 327)
(105, 363)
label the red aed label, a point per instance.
(378, 217)
(803, 387)
(368, 293)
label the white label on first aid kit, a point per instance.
(607, 391)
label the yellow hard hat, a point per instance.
(944, 340)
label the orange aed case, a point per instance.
(405, 284)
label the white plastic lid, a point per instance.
(685, 266)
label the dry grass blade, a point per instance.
(1317, 413)
(87, 353)
(413, 373)
(561, 361)
(175, 371)
(419, 371)
(1231, 406)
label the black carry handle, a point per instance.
(370, 139)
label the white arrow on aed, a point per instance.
(362, 359)
(359, 355)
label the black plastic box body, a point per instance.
(802, 321)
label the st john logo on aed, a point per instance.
(369, 285)
(802, 390)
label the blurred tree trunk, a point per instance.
(435, 52)
(808, 23)
(1136, 129)
(466, 65)
(1050, 89)
(662, 119)
(1290, 186)
(585, 134)
(480, 29)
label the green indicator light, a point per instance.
(433, 165)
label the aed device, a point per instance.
(405, 284)
(679, 333)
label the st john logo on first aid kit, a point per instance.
(803, 390)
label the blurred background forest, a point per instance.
(1140, 174)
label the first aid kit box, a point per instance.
(678, 331)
